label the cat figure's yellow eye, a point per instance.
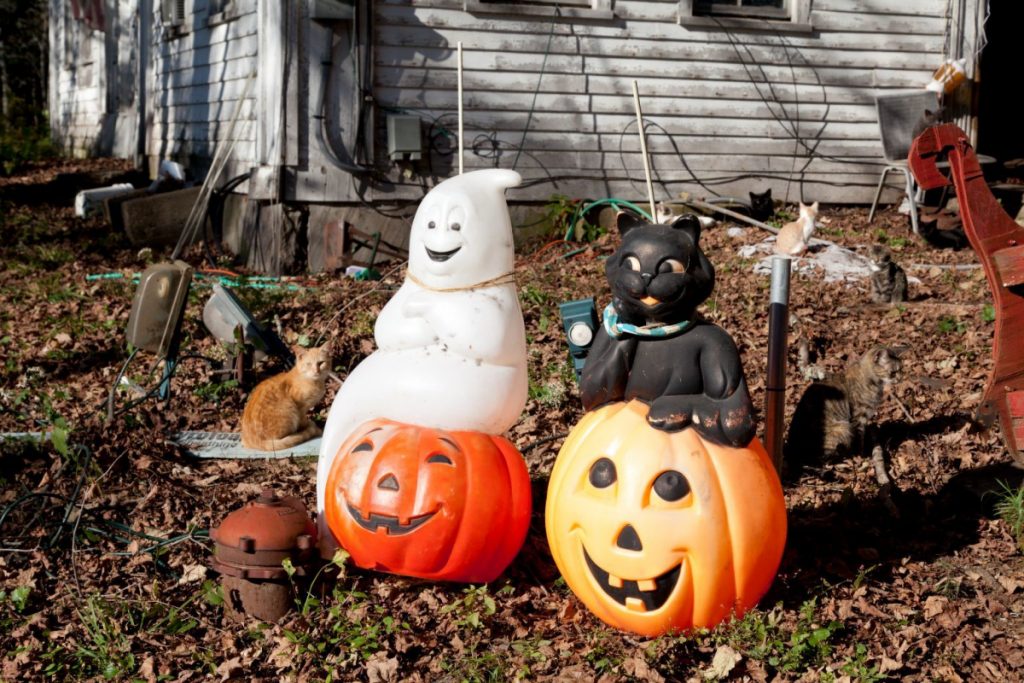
(633, 263)
(671, 265)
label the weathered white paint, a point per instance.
(740, 109)
(191, 77)
(732, 103)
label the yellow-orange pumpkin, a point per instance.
(453, 506)
(657, 531)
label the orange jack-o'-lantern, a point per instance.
(657, 531)
(424, 502)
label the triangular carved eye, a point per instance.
(441, 458)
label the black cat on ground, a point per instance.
(653, 347)
(762, 207)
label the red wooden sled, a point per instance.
(999, 243)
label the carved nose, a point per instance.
(646, 277)
(629, 539)
(388, 482)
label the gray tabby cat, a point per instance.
(832, 415)
(888, 281)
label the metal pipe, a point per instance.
(778, 329)
(643, 148)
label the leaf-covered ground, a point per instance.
(103, 542)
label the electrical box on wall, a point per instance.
(405, 139)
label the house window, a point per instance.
(90, 12)
(578, 9)
(786, 15)
(765, 9)
(172, 12)
(220, 11)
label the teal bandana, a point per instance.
(615, 329)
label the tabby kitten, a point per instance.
(888, 281)
(761, 205)
(832, 415)
(275, 416)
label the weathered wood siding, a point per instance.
(77, 82)
(198, 77)
(739, 110)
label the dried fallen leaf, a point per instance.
(382, 669)
(192, 573)
(724, 662)
(934, 605)
(231, 668)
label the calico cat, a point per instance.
(653, 347)
(762, 207)
(275, 416)
(832, 415)
(888, 281)
(794, 237)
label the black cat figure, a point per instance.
(653, 347)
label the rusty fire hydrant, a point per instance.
(249, 547)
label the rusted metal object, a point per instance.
(250, 545)
(998, 242)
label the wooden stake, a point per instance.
(643, 147)
(460, 104)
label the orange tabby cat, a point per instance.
(275, 414)
(793, 238)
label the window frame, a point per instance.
(795, 17)
(578, 9)
(221, 11)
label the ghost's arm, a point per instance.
(400, 327)
(478, 326)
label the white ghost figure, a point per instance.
(451, 346)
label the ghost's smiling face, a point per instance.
(444, 227)
(461, 235)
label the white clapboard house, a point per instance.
(331, 104)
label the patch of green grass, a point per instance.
(988, 313)
(949, 324)
(1010, 508)
(475, 605)
(20, 144)
(473, 666)
(762, 636)
(105, 648)
(895, 243)
(831, 231)
(604, 653)
(531, 651)
(535, 295)
(342, 631)
(361, 323)
(216, 391)
(858, 669)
